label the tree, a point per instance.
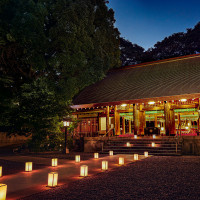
(50, 50)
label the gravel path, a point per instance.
(153, 178)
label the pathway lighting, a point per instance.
(111, 153)
(135, 156)
(128, 144)
(28, 166)
(54, 162)
(121, 161)
(153, 144)
(52, 179)
(84, 170)
(0, 171)
(146, 154)
(3, 191)
(77, 159)
(96, 155)
(104, 165)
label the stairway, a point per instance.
(163, 146)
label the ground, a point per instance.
(156, 177)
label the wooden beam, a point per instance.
(136, 119)
(129, 126)
(107, 119)
(123, 126)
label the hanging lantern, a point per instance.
(84, 170)
(111, 153)
(135, 136)
(135, 156)
(96, 155)
(3, 191)
(52, 179)
(121, 161)
(104, 165)
(146, 154)
(28, 166)
(0, 171)
(77, 158)
(153, 144)
(128, 144)
(54, 162)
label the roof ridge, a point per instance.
(158, 62)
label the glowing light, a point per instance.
(3, 191)
(111, 153)
(96, 155)
(52, 179)
(124, 105)
(154, 136)
(0, 171)
(146, 154)
(28, 166)
(153, 144)
(128, 144)
(135, 136)
(54, 162)
(65, 123)
(77, 158)
(187, 127)
(135, 156)
(183, 100)
(151, 102)
(162, 128)
(104, 165)
(84, 170)
(121, 161)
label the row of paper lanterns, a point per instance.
(53, 176)
(154, 136)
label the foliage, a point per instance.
(50, 50)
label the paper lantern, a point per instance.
(135, 156)
(104, 165)
(111, 153)
(154, 136)
(3, 191)
(77, 158)
(54, 162)
(146, 154)
(121, 161)
(128, 144)
(84, 170)
(135, 136)
(96, 155)
(28, 166)
(0, 171)
(153, 144)
(52, 179)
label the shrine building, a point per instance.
(160, 97)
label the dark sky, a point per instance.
(145, 22)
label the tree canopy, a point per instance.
(50, 50)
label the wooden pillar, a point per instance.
(123, 125)
(156, 120)
(142, 122)
(136, 119)
(198, 120)
(169, 119)
(117, 121)
(179, 123)
(129, 126)
(107, 119)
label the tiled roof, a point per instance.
(170, 77)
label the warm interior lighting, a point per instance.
(3, 191)
(135, 156)
(128, 144)
(153, 144)
(123, 105)
(96, 155)
(52, 179)
(28, 166)
(154, 136)
(183, 100)
(104, 165)
(151, 102)
(135, 136)
(77, 158)
(186, 127)
(54, 162)
(111, 153)
(146, 154)
(84, 170)
(121, 161)
(162, 128)
(0, 171)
